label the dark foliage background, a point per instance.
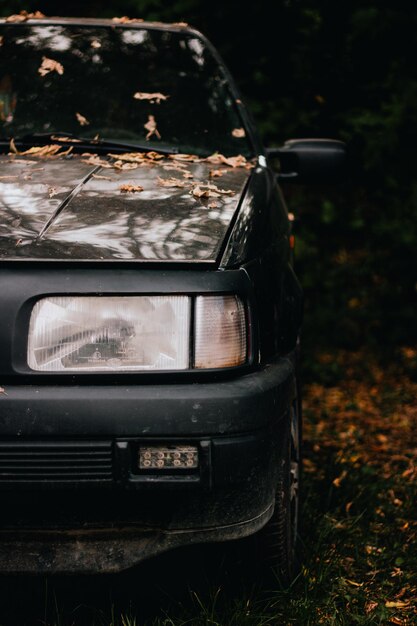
(325, 69)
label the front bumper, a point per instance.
(107, 523)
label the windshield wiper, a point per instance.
(83, 142)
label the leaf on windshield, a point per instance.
(130, 188)
(49, 65)
(126, 20)
(238, 133)
(94, 159)
(83, 121)
(101, 177)
(152, 97)
(24, 15)
(151, 127)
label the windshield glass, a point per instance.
(138, 85)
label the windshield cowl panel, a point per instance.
(156, 87)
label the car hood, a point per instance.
(77, 208)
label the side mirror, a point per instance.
(321, 161)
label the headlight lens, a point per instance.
(220, 332)
(130, 333)
(136, 333)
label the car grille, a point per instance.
(63, 462)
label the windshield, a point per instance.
(154, 87)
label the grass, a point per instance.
(359, 528)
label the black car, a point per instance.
(150, 314)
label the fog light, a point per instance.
(164, 458)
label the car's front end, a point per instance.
(148, 324)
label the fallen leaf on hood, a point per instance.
(124, 165)
(83, 121)
(220, 159)
(24, 15)
(397, 604)
(152, 97)
(173, 182)
(217, 173)
(213, 205)
(52, 191)
(126, 20)
(130, 188)
(210, 191)
(101, 177)
(185, 157)
(129, 157)
(154, 156)
(238, 133)
(49, 65)
(2, 391)
(7, 177)
(94, 159)
(186, 174)
(150, 126)
(95, 44)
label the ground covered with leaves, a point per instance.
(359, 554)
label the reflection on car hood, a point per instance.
(68, 209)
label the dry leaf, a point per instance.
(66, 139)
(126, 20)
(397, 621)
(51, 150)
(23, 16)
(52, 191)
(18, 242)
(101, 177)
(213, 205)
(49, 65)
(186, 174)
(12, 147)
(397, 604)
(238, 133)
(83, 121)
(197, 192)
(122, 165)
(370, 606)
(180, 24)
(173, 182)
(152, 97)
(220, 159)
(7, 177)
(217, 173)
(353, 583)
(216, 191)
(130, 188)
(338, 481)
(150, 126)
(94, 159)
(96, 44)
(185, 157)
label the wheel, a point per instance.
(277, 541)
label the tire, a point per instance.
(277, 541)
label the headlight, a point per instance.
(94, 334)
(136, 333)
